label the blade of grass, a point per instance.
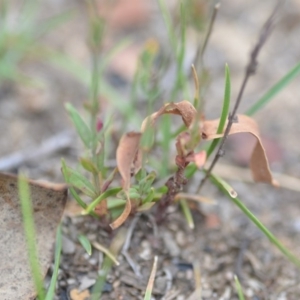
(187, 213)
(151, 280)
(115, 248)
(225, 110)
(274, 90)
(29, 228)
(168, 22)
(81, 127)
(259, 225)
(58, 246)
(84, 241)
(106, 194)
(239, 288)
(106, 252)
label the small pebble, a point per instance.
(181, 238)
(68, 246)
(170, 244)
(86, 282)
(206, 293)
(71, 281)
(145, 254)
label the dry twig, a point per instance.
(250, 70)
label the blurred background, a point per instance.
(46, 61)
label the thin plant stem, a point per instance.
(96, 31)
(250, 70)
(201, 50)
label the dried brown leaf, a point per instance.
(79, 295)
(127, 157)
(184, 108)
(48, 202)
(123, 217)
(258, 163)
(195, 198)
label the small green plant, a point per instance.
(113, 202)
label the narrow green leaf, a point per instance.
(187, 213)
(77, 180)
(225, 186)
(82, 129)
(146, 183)
(150, 196)
(84, 241)
(168, 22)
(239, 288)
(145, 206)
(260, 226)
(274, 90)
(58, 246)
(108, 193)
(114, 249)
(88, 165)
(115, 203)
(151, 280)
(29, 228)
(225, 110)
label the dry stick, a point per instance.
(250, 70)
(50, 146)
(201, 50)
(135, 267)
(210, 27)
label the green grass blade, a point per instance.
(151, 280)
(260, 226)
(168, 22)
(77, 180)
(81, 127)
(106, 194)
(114, 249)
(84, 241)
(225, 110)
(29, 228)
(187, 213)
(274, 90)
(58, 247)
(239, 288)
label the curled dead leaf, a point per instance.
(258, 163)
(123, 217)
(184, 108)
(128, 156)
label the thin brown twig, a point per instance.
(249, 71)
(209, 31)
(135, 267)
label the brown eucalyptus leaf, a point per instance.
(48, 202)
(258, 163)
(123, 217)
(127, 157)
(184, 108)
